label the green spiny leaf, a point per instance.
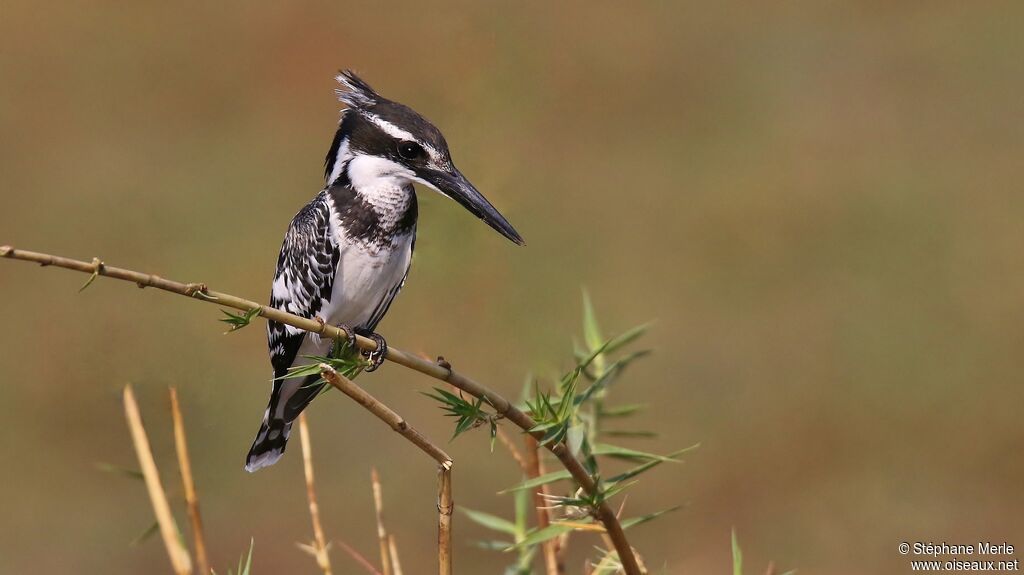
(626, 338)
(522, 507)
(470, 415)
(626, 453)
(737, 555)
(493, 545)
(625, 433)
(237, 321)
(111, 468)
(634, 521)
(489, 521)
(671, 457)
(141, 537)
(574, 438)
(538, 481)
(613, 491)
(622, 410)
(541, 535)
(591, 331)
(247, 568)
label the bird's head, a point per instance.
(381, 139)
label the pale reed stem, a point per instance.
(180, 560)
(191, 498)
(320, 542)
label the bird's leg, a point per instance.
(376, 357)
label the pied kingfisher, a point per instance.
(347, 253)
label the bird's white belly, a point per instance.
(363, 279)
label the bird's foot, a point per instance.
(350, 336)
(375, 357)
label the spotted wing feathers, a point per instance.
(304, 280)
(303, 283)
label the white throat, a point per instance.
(382, 183)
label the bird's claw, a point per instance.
(375, 357)
(350, 336)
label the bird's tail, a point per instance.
(287, 400)
(269, 444)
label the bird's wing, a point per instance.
(304, 279)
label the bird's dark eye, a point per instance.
(410, 150)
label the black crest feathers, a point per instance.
(354, 92)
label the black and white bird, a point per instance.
(347, 253)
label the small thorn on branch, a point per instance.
(198, 290)
(97, 265)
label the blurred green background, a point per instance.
(818, 203)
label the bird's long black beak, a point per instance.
(454, 185)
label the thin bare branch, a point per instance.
(358, 558)
(319, 541)
(191, 498)
(180, 560)
(444, 372)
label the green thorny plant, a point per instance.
(574, 411)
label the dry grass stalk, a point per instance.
(445, 373)
(396, 565)
(534, 470)
(358, 558)
(191, 499)
(319, 541)
(180, 560)
(445, 509)
(382, 533)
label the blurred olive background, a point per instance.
(818, 204)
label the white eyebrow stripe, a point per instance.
(389, 128)
(398, 133)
